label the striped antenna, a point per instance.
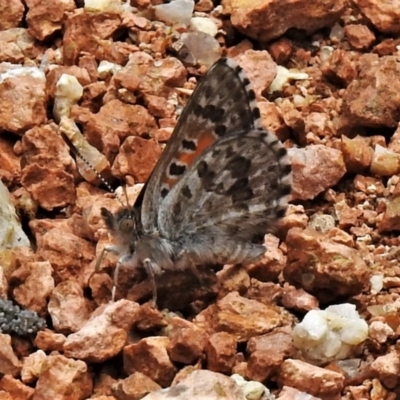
(89, 165)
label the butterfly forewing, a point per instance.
(223, 103)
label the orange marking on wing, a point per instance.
(204, 140)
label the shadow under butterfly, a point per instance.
(220, 185)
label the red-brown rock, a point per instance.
(59, 241)
(104, 334)
(68, 308)
(137, 158)
(308, 378)
(391, 217)
(387, 369)
(47, 168)
(150, 357)
(326, 269)
(339, 67)
(269, 267)
(187, 344)
(9, 363)
(12, 12)
(384, 15)
(270, 19)
(45, 18)
(135, 386)
(359, 36)
(357, 154)
(33, 283)
(86, 31)
(298, 299)
(267, 353)
(63, 378)
(259, 67)
(315, 169)
(32, 366)
(230, 314)
(10, 167)
(16, 388)
(49, 341)
(16, 44)
(373, 100)
(221, 351)
(27, 84)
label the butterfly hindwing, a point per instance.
(222, 103)
(234, 192)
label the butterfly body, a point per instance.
(220, 184)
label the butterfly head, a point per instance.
(123, 224)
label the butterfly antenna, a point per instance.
(126, 196)
(92, 168)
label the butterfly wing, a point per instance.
(223, 102)
(230, 195)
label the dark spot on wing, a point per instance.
(270, 168)
(251, 94)
(256, 113)
(220, 130)
(237, 95)
(216, 153)
(239, 166)
(273, 183)
(229, 152)
(207, 176)
(242, 196)
(287, 169)
(187, 192)
(202, 169)
(198, 110)
(176, 170)
(177, 208)
(164, 192)
(219, 189)
(189, 145)
(279, 213)
(282, 152)
(207, 91)
(239, 184)
(212, 113)
(263, 134)
(285, 189)
(240, 191)
(243, 115)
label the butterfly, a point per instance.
(220, 184)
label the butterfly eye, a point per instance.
(126, 225)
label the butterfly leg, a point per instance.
(115, 281)
(149, 267)
(184, 261)
(111, 249)
(195, 272)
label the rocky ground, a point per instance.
(326, 76)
